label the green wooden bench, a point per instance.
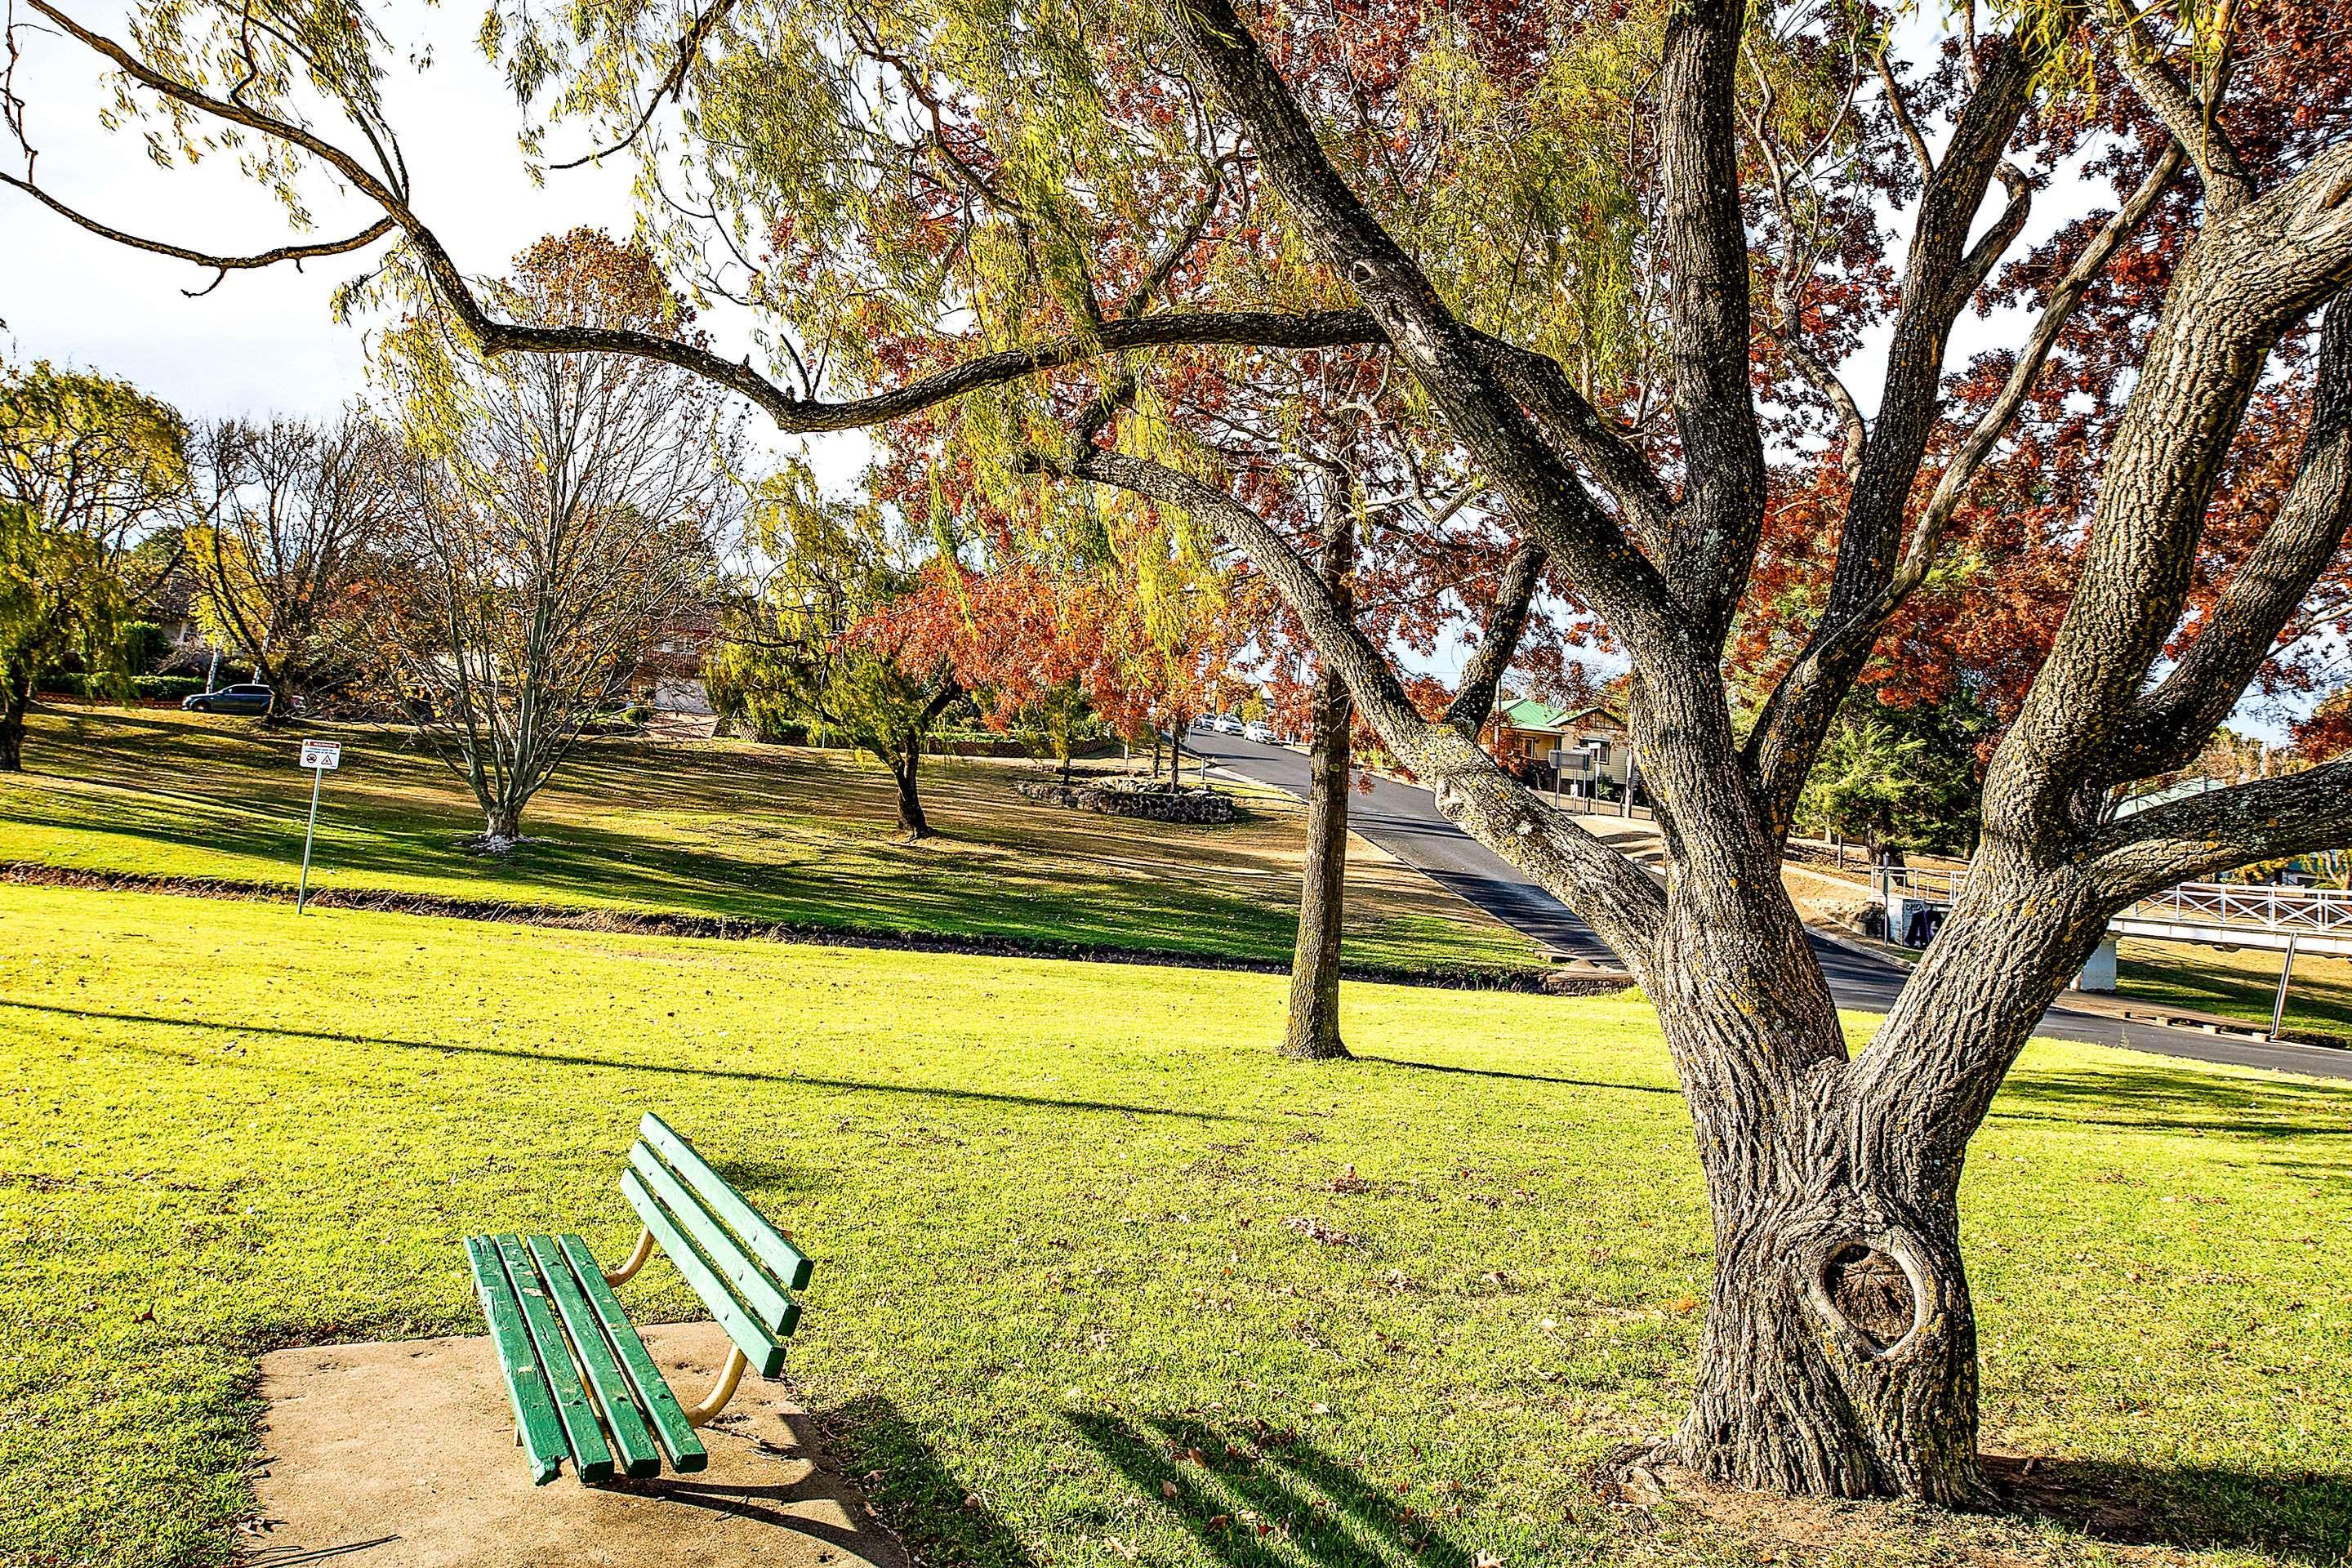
(582, 1384)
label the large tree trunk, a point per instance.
(1840, 1353)
(503, 822)
(910, 803)
(1313, 1032)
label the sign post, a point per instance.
(322, 757)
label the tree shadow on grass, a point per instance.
(1519, 1077)
(561, 1058)
(920, 1498)
(1255, 1496)
(2298, 1516)
(2178, 1099)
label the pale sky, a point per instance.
(264, 341)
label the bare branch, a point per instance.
(221, 265)
(1474, 701)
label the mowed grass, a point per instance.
(1074, 1221)
(724, 829)
(2241, 984)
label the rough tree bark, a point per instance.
(1312, 1033)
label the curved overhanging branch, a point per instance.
(792, 413)
(1620, 901)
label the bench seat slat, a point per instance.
(670, 1427)
(591, 1457)
(788, 1263)
(754, 1287)
(614, 1398)
(760, 1347)
(535, 1418)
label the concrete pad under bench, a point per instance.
(414, 1441)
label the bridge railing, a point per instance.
(2319, 911)
(2314, 910)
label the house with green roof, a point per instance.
(1568, 746)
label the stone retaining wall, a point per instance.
(1201, 807)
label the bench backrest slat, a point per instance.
(766, 1354)
(788, 1264)
(751, 1285)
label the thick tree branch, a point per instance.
(1546, 496)
(1578, 429)
(2266, 820)
(1474, 701)
(1620, 901)
(1706, 243)
(1943, 272)
(2240, 285)
(2193, 124)
(2168, 725)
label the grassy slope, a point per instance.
(1049, 1204)
(2241, 984)
(724, 829)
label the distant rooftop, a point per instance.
(1527, 713)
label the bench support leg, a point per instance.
(634, 1261)
(729, 1377)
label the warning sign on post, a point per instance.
(322, 756)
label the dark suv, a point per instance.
(229, 700)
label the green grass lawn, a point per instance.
(725, 828)
(2241, 984)
(1061, 1213)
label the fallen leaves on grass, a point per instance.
(1316, 1230)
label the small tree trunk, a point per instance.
(1313, 1031)
(910, 803)
(11, 730)
(503, 821)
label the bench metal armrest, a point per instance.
(634, 1261)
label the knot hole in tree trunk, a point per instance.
(1872, 1293)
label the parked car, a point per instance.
(1258, 730)
(1228, 724)
(229, 700)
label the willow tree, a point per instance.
(1581, 238)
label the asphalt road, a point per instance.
(1405, 821)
